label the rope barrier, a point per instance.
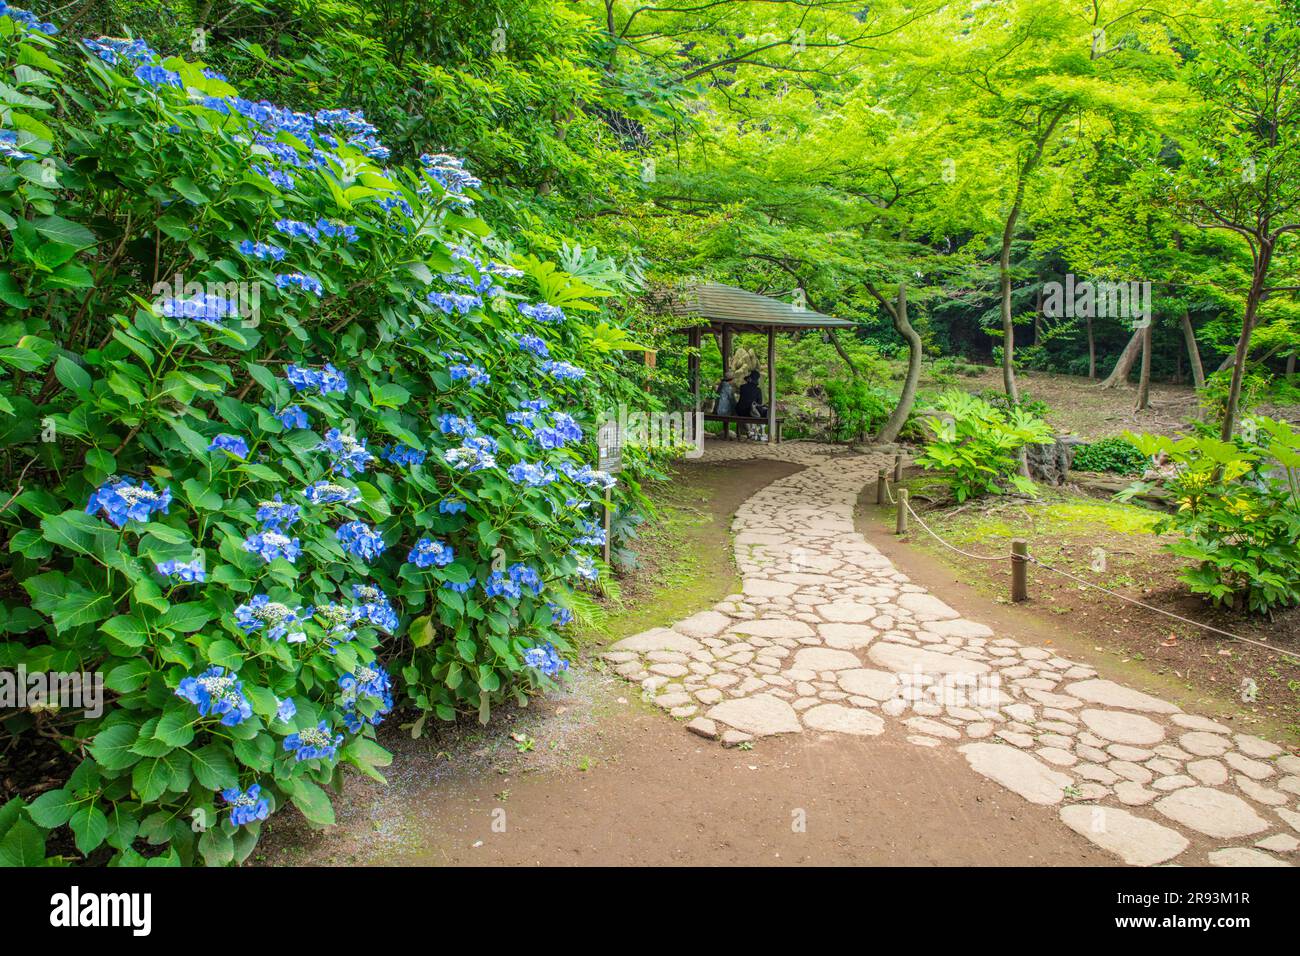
(1074, 577)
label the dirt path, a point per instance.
(651, 793)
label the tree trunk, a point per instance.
(1119, 375)
(1290, 364)
(1243, 343)
(1144, 377)
(1092, 352)
(1193, 351)
(898, 417)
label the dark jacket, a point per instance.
(751, 399)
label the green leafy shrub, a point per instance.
(859, 409)
(274, 422)
(976, 445)
(1238, 511)
(1114, 455)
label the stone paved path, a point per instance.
(828, 637)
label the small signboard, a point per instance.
(609, 442)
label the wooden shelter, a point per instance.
(725, 310)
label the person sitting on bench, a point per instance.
(750, 398)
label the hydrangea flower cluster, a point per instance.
(455, 425)
(327, 493)
(215, 693)
(593, 534)
(270, 544)
(277, 619)
(328, 380)
(157, 76)
(546, 660)
(360, 540)
(231, 444)
(292, 416)
(512, 582)
(542, 312)
(9, 146)
(400, 454)
(587, 476)
(277, 514)
(450, 173)
(562, 430)
(533, 345)
(350, 455)
(27, 19)
(113, 51)
(531, 474)
(374, 607)
(314, 743)
(560, 616)
(370, 685)
(190, 572)
(430, 553)
(474, 454)
(454, 303)
(563, 371)
(246, 806)
(300, 281)
(467, 370)
(262, 250)
(451, 506)
(123, 500)
(202, 308)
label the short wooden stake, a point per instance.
(608, 508)
(1019, 570)
(901, 526)
(880, 487)
(898, 468)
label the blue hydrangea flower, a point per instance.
(455, 425)
(560, 616)
(300, 281)
(454, 303)
(563, 429)
(400, 454)
(278, 177)
(188, 572)
(563, 371)
(276, 515)
(360, 540)
(593, 534)
(546, 660)
(113, 51)
(369, 688)
(460, 587)
(329, 380)
(530, 474)
(350, 455)
(314, 743)
(298, 230)
(246, 806)
(430, 553)
(451, 506)
(292, 416)
(27, 19)
(216, 694)
(374, 607)
(9, 146)
(543, 312)
(469, 371)
(534, 345)
(261, 613)
(474, 454)
(512, 582)
(338, 620)
(202, 307)
(269, 545)
(262, 250)
(123, 500)
(588, 476)
(326, 493)
(586, 567)
(285, 710)
(337, 230)
(156, 76)
(231, 444)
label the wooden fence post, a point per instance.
(880, 487)
(1019, 570)
(898, 468)
(901, 525)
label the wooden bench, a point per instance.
(740, 420)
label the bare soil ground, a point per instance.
(1255, 687)
(594, 776)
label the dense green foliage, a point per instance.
(975, 445)
(1114, 455)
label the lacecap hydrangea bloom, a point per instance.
(328, 380)
(543, 312)
(215, 693)
(122, 500)
(276, 618)
(314, 743)
(350, 454)
(563, 371)
(370, 686)
(429, 553)
(269, 545)
(246, 806)
(546, 660)
(360, 540)
(328, 493)
(292, 416)
(231, 444)
(190, 572)
(276, 515)
(374, 607)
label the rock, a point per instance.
(1290, 817)
(825, 659)
(1279, 843)
(959, 627)
(773, 628)
(1050, 463)
(1017, 771)
(1135, 840)
(1173, 782)
(1122, 728)
(1203, 743)
(1260, 793)
(657, 639)
(1255, 769)
(1134, 794)
(1193, 722)
(836, 718)
(932, 728)
(847, 636)
(761, 715)
(1110, 694)
(704, 727)
(761, 587)
(734, 738)
(1209, 772)
(1211, 812)
(1243, 856)
(1057, 756)
(1131, 771)
(669, 670)
(904, 659)
(704, 624)
(926, 607)
(847, 612)
(1256, 746)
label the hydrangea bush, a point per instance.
(285, 446)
